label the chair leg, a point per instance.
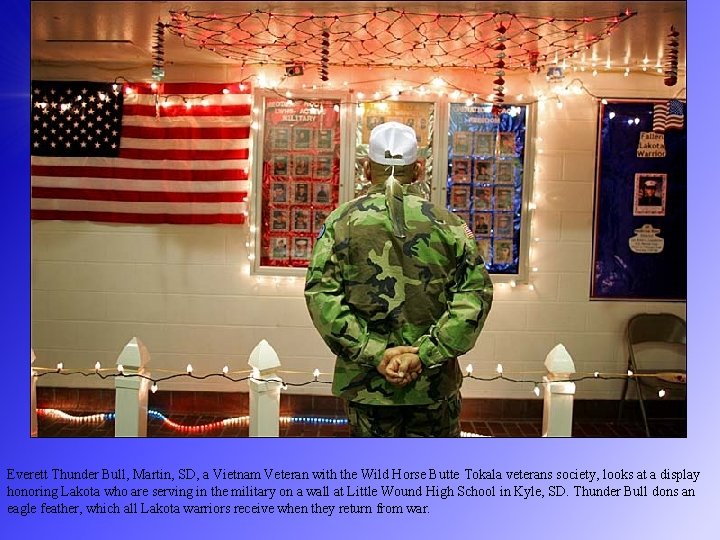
(642, 408)
(622, 401)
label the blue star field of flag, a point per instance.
(72, 118)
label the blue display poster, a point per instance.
(640, 223)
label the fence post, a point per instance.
(265, 388)
(559, 394)
(131, 393)
(33, 397)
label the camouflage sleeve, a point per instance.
(457, 330)
(344, 332)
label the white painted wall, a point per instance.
(185, 291)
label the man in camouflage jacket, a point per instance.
(398, 291)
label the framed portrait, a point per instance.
(503, 252)
(301, 165)
(483, 171)
(482, 224)
(280, 165)
(461, 169)
(505, 172)
(279, 192)
(484, 248)
(484, 143)
(301, 193)
(319, 217)
(504, 198)
(321, 193)
(301, 248)
(278, 220)
(503, 224)
(323, 166)
(460, 197)
(506, 143)
(650, 194)
(325, 139)
(462, 143)
(280, 138)
(302, 137)
(279, 248)
(301, 220)
(483, 198)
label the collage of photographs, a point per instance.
(483, 171)
(300, 190)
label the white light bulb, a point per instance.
(499, 369)
(469, 369)
(630, 373)
(189, 368)
(611, 115)
(97, 366)
(120, 368)
(316, 373)
(59, 366)
(596, 374)
(153, 388)
(225, 370)
(536, 390)
(661, 393)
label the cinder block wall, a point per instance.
(186, 291)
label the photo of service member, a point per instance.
(301, 192)
(319, 217)
(321, 193)
(301, 248)
(301, 165)
(505, 173)
(280, 138)
(279, 220)
(302, 138)
(461, 170)
(279, 192)
(279, 248)
(504, 198)
(301, 220)
(503, 252)
(483, 171)
(483, 198)
(460, 197)
(482, 223)
(280, 166)
(503, 224)
(323, 166)
(325, 139)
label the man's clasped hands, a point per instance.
(400, 365)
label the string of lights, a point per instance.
(393, 38)
(238, 421)
(513, 377)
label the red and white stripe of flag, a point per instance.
(177, 164)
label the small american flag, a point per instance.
(104, 152)
(668, 116)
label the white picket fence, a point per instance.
(265, 384)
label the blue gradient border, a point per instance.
(568, 517)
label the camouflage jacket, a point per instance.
(368, 290)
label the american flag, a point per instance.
(175, 154)
(668, 115)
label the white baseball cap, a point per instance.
(393, 143)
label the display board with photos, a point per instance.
(418, 115)
(486, 153)
(300, 177)
(640, 222)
